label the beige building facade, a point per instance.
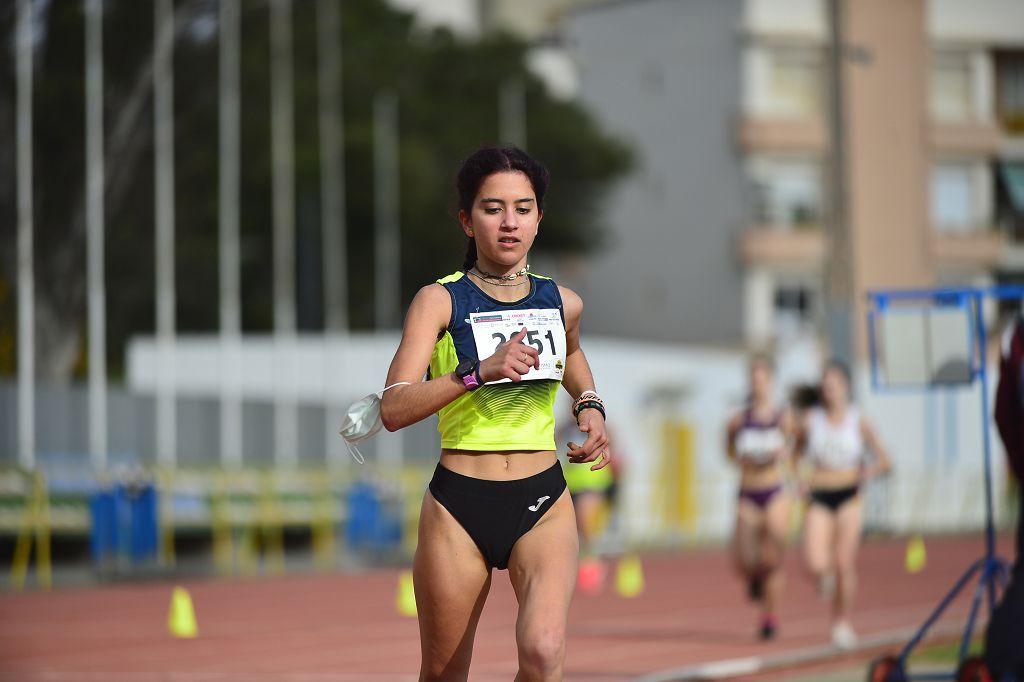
(932, 143)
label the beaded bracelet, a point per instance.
(586, 405)
(586, 395)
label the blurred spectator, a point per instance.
(1004, 652)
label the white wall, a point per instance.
(786, 18)
(935, 439)
(984, 21)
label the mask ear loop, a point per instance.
(353, 449)
(397, 383)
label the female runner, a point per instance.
(835, 437)
(497, 341)
(756, 440)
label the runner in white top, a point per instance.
(836, 439)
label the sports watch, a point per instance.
(467, 371)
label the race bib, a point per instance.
(759, 445)
(544, 331)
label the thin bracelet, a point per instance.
(586, 395)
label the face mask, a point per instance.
(362, 420)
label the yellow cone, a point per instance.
(916, 558)
(181, 621)
(629, 576)
(405, 600)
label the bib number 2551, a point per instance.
(544, 331)
(533, 338)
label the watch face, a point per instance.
(464, 368)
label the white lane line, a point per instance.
(717, 670)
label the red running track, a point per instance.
(345, 627)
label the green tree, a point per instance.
(448, 105)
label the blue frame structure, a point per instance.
(991, 570)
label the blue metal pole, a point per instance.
(990, 534)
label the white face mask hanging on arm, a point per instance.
(362, 420)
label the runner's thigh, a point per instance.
(451, 580)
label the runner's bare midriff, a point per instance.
(759, 476)
(835, 479)
(497, 466)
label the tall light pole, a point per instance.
(282, 131)
(386, 202)
(838, 272)
(229, 261)
(332, 165)
(163, 139)
(94, 225)
(26, 276)
(332, 201)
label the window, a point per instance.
(1010, 200)
(1010, 91)
(962, 194)
(787, 192)
(793, 310)
(795, 81)
(951, 197)
(951, 87)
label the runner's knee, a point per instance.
(542, 649)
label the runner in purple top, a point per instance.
(757, 441)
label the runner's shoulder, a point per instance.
(571, 302)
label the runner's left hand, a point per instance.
(595, 449)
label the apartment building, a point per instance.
(932, 124)
(932, 119)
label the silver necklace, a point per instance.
(486, 277)
(502, 278)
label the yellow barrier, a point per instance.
(414, 482)
(35, 522)
(678, 476)
(249, 511)
(324, 514)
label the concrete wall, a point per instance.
(665, 76)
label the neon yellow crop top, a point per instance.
(494, 417)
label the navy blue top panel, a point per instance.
(468, 298)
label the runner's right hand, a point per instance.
(511, 360)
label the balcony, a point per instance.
(973, 139)
(973, 250)
(802, 249)
(782, 135)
